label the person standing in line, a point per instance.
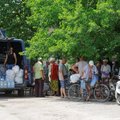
(54, 77)
(39, 78)
(58, 62)
(62, 77)
(80, 65)
(98, 65)
(115, 66)
(80, 68)
(49, 70)
(46, 70)
(105, 71)
(10, 59)
(46, 81)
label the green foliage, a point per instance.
(13, 15)
(75, 27)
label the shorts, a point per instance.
(92, 82)
(62, 83)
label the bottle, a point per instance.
(8, 83)
(2, 82)
(5, 84)
(12, 84)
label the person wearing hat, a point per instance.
(89, 78)
(39, 78)
(54, 76)
(105, 70)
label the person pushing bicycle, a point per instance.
(89, 78)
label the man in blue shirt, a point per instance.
(89, 77)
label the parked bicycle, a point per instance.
(112, 87)
(111, 83)
(100, 92)
(117, 91)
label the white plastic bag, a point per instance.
(16, 69)
(10, 75)
(18, 80)
(74, 78)
(20, 74)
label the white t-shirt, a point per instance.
(105, 69)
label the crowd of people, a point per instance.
(57, 72)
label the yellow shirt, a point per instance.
(37, 68)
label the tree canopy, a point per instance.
(67, 28)
(13, 16)
(75, 27)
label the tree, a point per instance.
(73, 27)
(13, 19)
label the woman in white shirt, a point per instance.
(105, 69)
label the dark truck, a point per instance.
(22, 62)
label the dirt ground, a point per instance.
(56, 108)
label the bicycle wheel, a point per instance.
(118, 99)
(101, 93)
(74, 92)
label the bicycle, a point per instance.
(100, 92)
(111, 83)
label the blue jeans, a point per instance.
(9, 66)
(92, 82)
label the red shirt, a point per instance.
(54, 71)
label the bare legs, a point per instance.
(62, 91)
(88, 91)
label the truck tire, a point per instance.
(21, 93)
